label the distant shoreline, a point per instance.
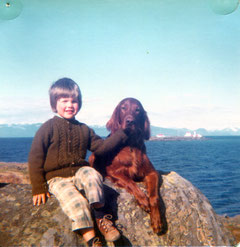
(29, 130)
(177, 138)
(151, 138)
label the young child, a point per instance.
(57, 164)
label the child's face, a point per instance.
(67, 107)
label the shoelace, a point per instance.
(106, 222)
(96, 242)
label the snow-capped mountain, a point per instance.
(29, 130)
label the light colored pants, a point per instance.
(76, 194)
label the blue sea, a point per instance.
(211, 164)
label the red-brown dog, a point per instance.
(130, 164)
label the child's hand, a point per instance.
(40, 198)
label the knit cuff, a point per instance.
(39, 189)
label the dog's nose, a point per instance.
(129, 120)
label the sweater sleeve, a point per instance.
(37, 157)
(101, 147)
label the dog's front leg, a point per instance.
(127, 183)
(152, 183)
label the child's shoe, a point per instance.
(107, 229)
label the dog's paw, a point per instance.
(144, 202)
(145, 207)
(157, 227)
(156, 220)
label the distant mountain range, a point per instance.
(29, 130)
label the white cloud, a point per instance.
(97, 111)
(24, 110)
(197, 117)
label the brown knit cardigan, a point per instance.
(59, 148)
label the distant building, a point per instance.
(160, 136)
(188, 134)
(194, 135)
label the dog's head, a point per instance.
(130, 114)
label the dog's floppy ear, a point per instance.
(145, 123)
(114, 122)
(147, 131)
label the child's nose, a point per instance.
(69, 104)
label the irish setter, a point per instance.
(130, 164)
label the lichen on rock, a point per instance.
(188, 216)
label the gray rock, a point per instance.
(22, 224)
(189, 218)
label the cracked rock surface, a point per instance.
(189, 218)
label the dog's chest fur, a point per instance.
(132, 159)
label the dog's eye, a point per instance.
(137, 110)
(123, 108)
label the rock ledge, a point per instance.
(189, 218)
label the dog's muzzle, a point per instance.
(129, 122)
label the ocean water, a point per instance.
(15, 149)
(212, 165)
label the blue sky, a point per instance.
(179, 58)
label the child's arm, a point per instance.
(101, 147)
(36, 160)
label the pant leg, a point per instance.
(91, 181)
(72, 202)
